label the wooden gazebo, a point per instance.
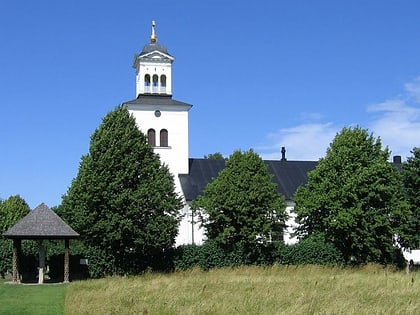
(40, 224)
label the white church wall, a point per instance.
(152, 68)
(189, 231)
(175, 155)
(291, 224)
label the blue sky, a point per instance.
(260, 75)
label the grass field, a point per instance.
(47, 299)
(251, 290)
(246, 290)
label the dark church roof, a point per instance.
(288, 175)
(148, 48)
(41, 223)
(149, 99)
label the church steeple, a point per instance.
(153, 68)
(161, 118)
(153, 37)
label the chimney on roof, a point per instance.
(397, 159)
(283, 154)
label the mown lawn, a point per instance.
(46, 299)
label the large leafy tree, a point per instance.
(12, 210)
(354, 198)
(123, 199)
(241, 205)
(411, 175)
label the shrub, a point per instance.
(99, 263)
(206, 256)
(311, 250)
(6, 254)
(187, 257)
(212, 255)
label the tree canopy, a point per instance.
(411, 175)
(12, 210)
(241, 205)
(214, 156)
(123, 200)
(354, 198)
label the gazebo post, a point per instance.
(41, 255)
(66, 260)
(16, 253)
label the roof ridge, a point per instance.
(41, 223)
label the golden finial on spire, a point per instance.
(153, 37)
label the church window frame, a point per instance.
(147, 80)
(163, 80)
(147, 83)
(155, 83)
(155, 80)
(163, 83)
(164, 138)
(151, 137)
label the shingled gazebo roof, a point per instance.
(41, 223)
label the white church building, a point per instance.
(165, 122)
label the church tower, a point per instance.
(153, 68)
(163, 119)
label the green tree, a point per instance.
(411, 175)
(214, 156)
(11, 211)
(354, 197)
(123, 200)
(241, 205)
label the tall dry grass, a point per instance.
(251, 290)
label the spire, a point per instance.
(153, 37)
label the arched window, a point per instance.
(164, 138)
(163, 83)
(147, 80)
(151, 137)
(147, 83)
(155, 83)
